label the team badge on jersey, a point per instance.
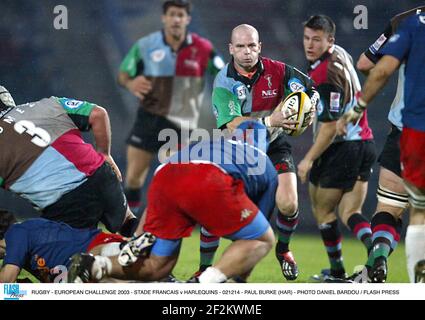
(158, 55)
(72, 104)
(295, 85)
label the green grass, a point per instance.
(309, 253)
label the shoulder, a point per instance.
(152, 38)
(270, 64)
(200, 41)
(222, 80)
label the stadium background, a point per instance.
(37, 61)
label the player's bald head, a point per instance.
(242, 31)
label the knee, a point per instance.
(268, 240)
(287, 204)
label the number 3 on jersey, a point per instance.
(40, 136)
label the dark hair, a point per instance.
(6, 220)
(321, 22)
(177, 3)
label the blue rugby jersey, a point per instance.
(408, 45)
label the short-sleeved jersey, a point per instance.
(407, 44)
(235, 95)
(337, 82)
(40, 245)
(43, 155)
(240, 160)
(177, 77)
(374, 55)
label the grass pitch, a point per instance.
(309, 253)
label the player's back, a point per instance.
(45, 155)
(240, 160)
(40, 245)
(408, 45)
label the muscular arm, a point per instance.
(364, 65)
(101, 127)
(9, 273)
(379, 76)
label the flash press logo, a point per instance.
(13, 292)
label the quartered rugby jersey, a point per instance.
(177, 77)
(235, 95)
(43, 155)
(407, 44)
(374, 55)
(337, 82)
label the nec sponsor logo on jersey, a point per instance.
(270, 93)
(335, 105)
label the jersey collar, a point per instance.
(327, 54)
(233, 73)
(188, 40)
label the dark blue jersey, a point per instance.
(408, 44)
(39, 245)
(240, 160)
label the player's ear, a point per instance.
(260, 45)
(231, 49)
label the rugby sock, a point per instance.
(209, 246)
(360, 227)
(134, 198)
(398, 231)
(332, 238)
(286, 227)
(212, 275)
(384, 228)
(415, 248)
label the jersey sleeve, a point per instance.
(330, 107)
(78, 111)
(17, 246)
(226, 105)
(399, 44)
(132, 63)
(295, 80)
(372, 53)
(215, 63)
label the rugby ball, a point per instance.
(296, 107)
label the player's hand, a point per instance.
(278, 119)
(140, 87)
(110, 160)
(303, 169)
(353, 115)
(314, 98)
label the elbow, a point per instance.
(364, 65)
(98, 114)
